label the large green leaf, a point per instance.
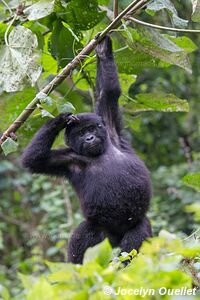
(19, 61)
(158, 5)
(63, 44)
(154, 44)
(39, 10)
(158, 102)
(132, 61)
(82, 15)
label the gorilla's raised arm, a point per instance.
(107, 87)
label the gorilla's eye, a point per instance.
(99, 125)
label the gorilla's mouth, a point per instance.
(93, 149)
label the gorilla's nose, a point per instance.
(90, 138)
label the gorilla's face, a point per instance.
(89, 136)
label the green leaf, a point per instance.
(42, 290)
(49, 64)
(125, 82)
(19, 61)
(83, 15)
(196, 10)
(152, 43)
(26, 280)
(63, 44)
(190, 251)
(4, 293)
(158, 5)
(100, 253)
(9, 146)
(39, 10)
(44, 99)
(158, 102)
(37, 29)
(64, 106)
(192, 180)
(132, 61)
(13, 104)
(195, 209)
(103, 2)
(3, 28)
(64, 274)
(46, 113)
(127, 256)
(183, 42)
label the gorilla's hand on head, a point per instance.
(72, 119)
(68, 118)
(65, 119)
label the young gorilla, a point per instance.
(112, 183)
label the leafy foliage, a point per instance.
(99, 279)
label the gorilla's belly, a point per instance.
(116, 190)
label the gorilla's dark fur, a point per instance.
(112, 183)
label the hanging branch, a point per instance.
(115, 9)
(134, 6)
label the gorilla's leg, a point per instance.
(85, 235)
(134, 237)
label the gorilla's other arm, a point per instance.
(38, 156)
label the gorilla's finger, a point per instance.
(73, 119)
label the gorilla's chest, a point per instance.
(108, 162)
(113, 175)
